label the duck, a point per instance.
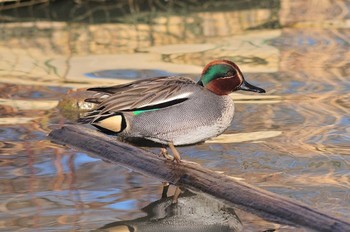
(170, 110)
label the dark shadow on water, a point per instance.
(193, 212)
(116, 11)
(141, 142)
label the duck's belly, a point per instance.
(191, 135)
(188, 123)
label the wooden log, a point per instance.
(193, 176)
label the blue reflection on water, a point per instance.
(128, 73)
(124, 205)
(82, 158)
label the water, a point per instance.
(293, 141)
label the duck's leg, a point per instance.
(165, 189)
(164, 153)
(176, 154)
(176, 194)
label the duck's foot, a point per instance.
(176, 154)
(164, 153)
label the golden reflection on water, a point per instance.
(294, 140)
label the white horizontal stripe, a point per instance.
(180, 96)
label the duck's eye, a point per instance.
(231, 73)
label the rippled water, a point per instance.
(294, 141)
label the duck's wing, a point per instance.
(153, 93)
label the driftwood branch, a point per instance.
(195, 177)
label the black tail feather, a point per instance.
(90, 117)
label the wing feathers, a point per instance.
(162, 91)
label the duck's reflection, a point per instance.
(192, 212)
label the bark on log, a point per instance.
(192, 176)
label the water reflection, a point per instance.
(191, 213)
(293, 141)
(128, 74)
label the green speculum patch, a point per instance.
(137, 112)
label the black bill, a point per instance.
(248, 87)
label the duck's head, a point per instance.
(223, 77)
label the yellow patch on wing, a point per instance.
(113, 123)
